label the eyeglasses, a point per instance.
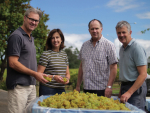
(32, 20)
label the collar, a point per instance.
(23, 32)
(130, 43)
(98, 40)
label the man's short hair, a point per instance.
(34, 10)
(123, 23)
(96, 20)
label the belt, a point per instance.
(127, 83)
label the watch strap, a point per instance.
(53, 77)
(109, 87)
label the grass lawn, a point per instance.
(115, 88)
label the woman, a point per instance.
(54, 63)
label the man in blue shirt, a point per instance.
(133, 70)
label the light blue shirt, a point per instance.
(130, 57)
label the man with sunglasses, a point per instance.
(22, 65)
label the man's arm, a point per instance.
(16, 65)
(142, 70)
(80, 77)
(112, 76)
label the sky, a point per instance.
(73, 16)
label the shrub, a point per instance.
(148, 71)
(3, 85)
(73, 78)
(117, 76)
(3, 82)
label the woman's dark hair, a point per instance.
(49, 43)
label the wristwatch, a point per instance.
(109, 87)
(53, 77)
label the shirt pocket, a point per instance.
(101, 63)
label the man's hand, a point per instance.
(108, 92)
(124, 98)
(119, 94)
(78, 89)
(66, 81)
(39, 77)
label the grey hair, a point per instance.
(123, 23)
(34, 10)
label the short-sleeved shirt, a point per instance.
(56, 64)
(19, 44)
(130, 57)
(95, 63)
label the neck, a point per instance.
(95, 40)
(56, 49)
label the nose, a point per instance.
(121, 34)
(94, 30)
(33, 21)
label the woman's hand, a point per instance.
(66, 82)
(59, 79)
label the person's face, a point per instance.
(56, 40)
(31, 21)
(124, 35)
(95, 30)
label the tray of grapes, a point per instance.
(75, 102)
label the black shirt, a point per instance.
(19, 44)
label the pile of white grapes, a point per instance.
(82, 100)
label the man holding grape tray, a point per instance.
(132, 67)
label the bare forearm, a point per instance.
(112, 76)
(22, 69)
(80, 76)
(138, 83)
(142, 70)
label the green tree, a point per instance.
(145, 30)
(74, 62)
(11, 17)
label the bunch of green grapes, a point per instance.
(82, 100)
(64, 79)
(47, 78)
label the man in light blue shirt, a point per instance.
(132, 67)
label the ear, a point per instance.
(101, 29)
(130, 32)
(24, 18)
